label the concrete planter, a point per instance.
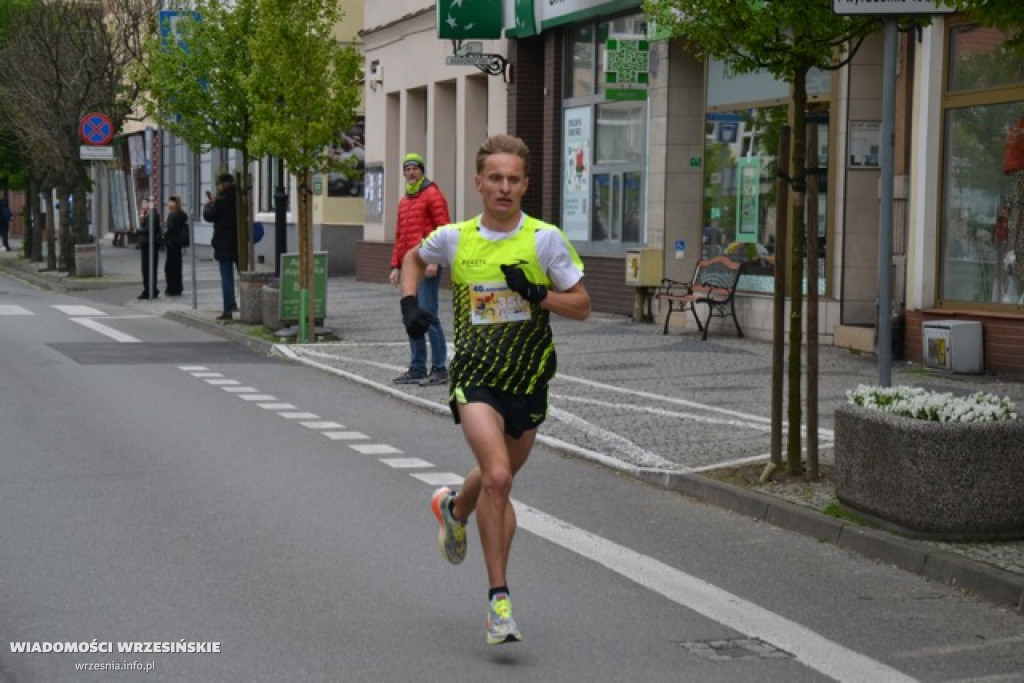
(250, 290)
(85, 260)
(272, 308)
(948, 481)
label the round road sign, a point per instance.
(96, 129)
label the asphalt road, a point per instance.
(158, 485)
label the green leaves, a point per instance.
(262, 76)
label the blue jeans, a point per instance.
(227, 285)
(427, 298)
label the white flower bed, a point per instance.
(936, 407)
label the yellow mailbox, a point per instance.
(644, 267)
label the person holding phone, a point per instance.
(223, 213)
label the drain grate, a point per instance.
(738, 648)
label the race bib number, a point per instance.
(494, 302)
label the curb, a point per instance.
(54, 281)
(996, 585)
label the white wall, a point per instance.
(419, 103)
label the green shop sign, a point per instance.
(462, 19)
(290, 294)
(627, 71)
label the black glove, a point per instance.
(516, 280)
(416, 319)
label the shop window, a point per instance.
(981, 234)
(741, 195)
(983, 204)
(979, 59)
(605, 143)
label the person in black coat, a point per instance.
(176, 238)
(223, 213)
(143, 233)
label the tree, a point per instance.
(65, 58)
(305, 88)
(787, 38)
(197, 89)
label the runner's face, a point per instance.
(502, 183)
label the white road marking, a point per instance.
(345, 436)
(80, 310)
(322, 425)
(406, 463)
(300, 416)
(277, 406)
(374, 448)
(192, 368)
(256, 397)
(810, 648)
(202, 374)
(638, 456)
(222, 382)
(11, 309)
(97, 326)
(439, 478)
(241, 390)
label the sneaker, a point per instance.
(501, 627)
(410, 377)
(452, 537)
(436, 376)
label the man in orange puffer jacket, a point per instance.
(421, 209)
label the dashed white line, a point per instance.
(374, 449)
(406, 463)
(241, 390)
(277, 406)
(345, 436)
(80, 310)
(222, 382)
(192, 368)
(11, 309)
(202, 374)
(97, 326)
(256, 397)
(439, 478)
(322, 425)
(299, 416)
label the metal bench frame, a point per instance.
(713, 285)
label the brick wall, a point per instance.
(1002, 338)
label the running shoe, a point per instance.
(501, 627)
(452, 537)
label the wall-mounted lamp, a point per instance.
(376, 79)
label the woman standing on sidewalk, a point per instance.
(176, 238)
(146, 231)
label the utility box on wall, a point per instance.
(644, 267)
(953, 345)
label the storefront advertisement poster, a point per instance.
(576, 183)
(865, 142)
(748, 198)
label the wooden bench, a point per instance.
(713, 285)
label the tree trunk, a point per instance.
(305, 230)
(245, 216)
(796, 268)
(779, 297)
(52, 223)
(812, 301)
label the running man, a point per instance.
(509, 272)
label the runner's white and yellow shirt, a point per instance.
(501, 340)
